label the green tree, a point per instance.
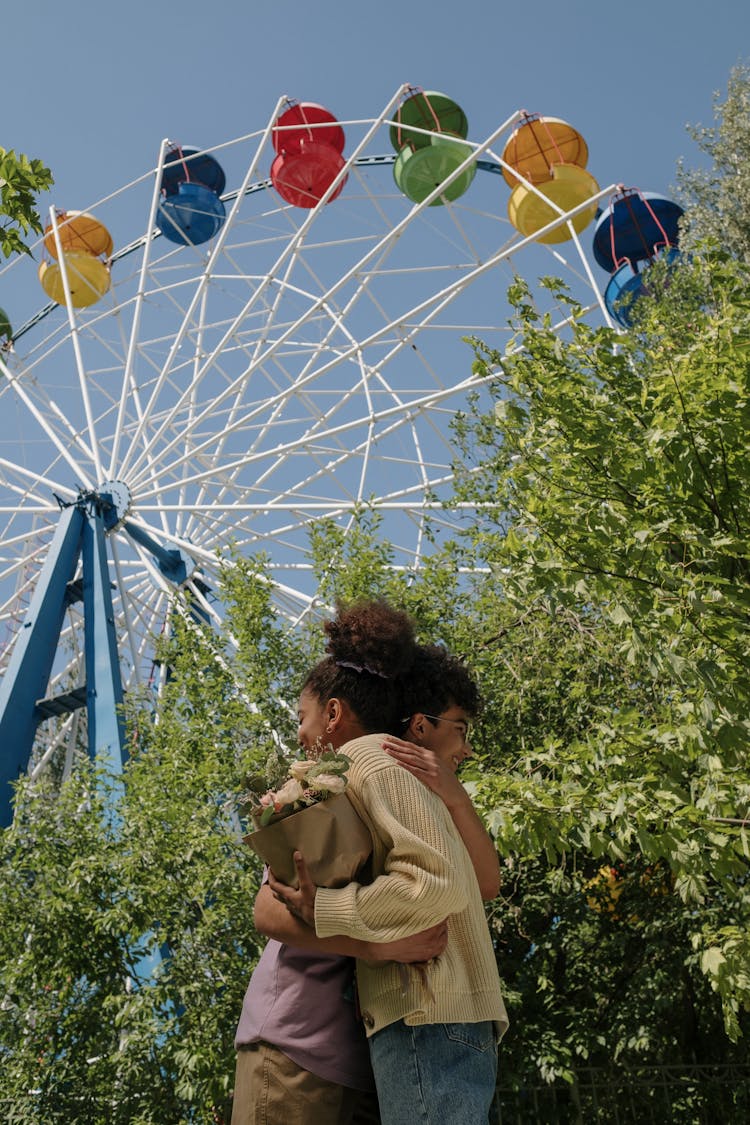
(621, 891)
(578, 766)
(613, 518)
(103, 875)
(718, 197)
(21, 179)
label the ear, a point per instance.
(334, 714)
(415, 730)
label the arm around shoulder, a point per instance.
(478, 843)
(427, 767)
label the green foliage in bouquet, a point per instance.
(307, 781)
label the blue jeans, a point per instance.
(435, 1074)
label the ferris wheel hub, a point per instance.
(113, 500)
(116, 500)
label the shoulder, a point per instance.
(367, 756)
(378, 779)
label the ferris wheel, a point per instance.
(252, 361)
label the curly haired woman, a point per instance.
(432, 1030)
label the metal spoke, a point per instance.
(304, 364)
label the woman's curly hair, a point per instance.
(438, 680)
(370, 647)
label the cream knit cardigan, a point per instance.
(422, 873)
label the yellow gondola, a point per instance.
(569, 187)
(88, 279)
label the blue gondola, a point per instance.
(627, 284)
(191, 211)
(635, 225)
(633, 231)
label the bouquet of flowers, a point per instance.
(308, 781)
(309, 812)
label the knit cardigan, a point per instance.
(422, 874)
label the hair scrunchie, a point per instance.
(359, 668)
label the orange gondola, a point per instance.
(80, 232)
(537, 145)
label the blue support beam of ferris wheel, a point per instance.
(174, 563)
(104, 696)
(25, 681)
(171, 562)
(81, 534)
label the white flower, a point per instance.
(290, 792)
(303, 787)
(300, 770)
(331, 782)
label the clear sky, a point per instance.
(93, 87)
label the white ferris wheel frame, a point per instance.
(206, 463)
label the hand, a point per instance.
(300, 902)
(427, 768)
(418, 948)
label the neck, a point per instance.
(345, 733)
(347, 728)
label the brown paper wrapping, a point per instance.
(330, 835)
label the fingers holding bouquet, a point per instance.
(299, 901)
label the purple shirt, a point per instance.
(303, 1003)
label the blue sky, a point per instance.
(93, 87)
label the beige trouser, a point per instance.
(270, 1089)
